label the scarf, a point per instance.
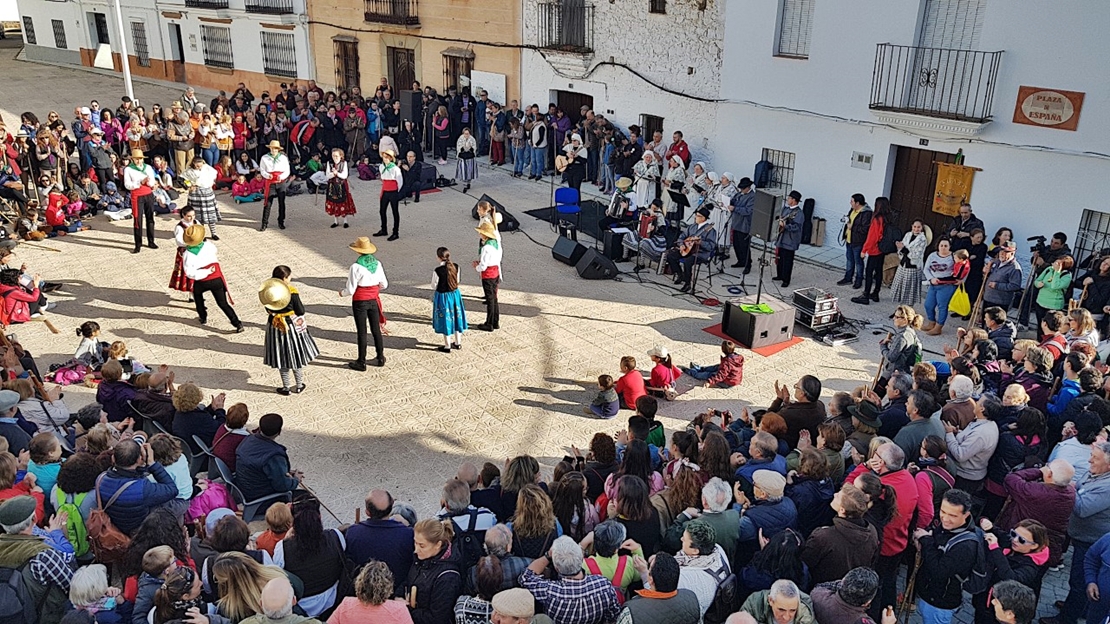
(368, 261)
(388, 166)
(137, 167)
(195, 248)
(492, 241)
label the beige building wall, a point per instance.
(454, 24)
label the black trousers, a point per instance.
(146, 211)
(873, 275)
(742, 245)
(390, 199)
(493, 313)
(888, 570)
(279, 190)
(784, 265)
(368, 313)
(14, 195)
(103, 176)
(680, 265)
(219, 293)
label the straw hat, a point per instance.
(274, 294)
(363, 245)
(194, 235)
(274, 143)
(388, 154)
(137, 154)
(487, 230)
(624, 183)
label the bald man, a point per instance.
(277, 602)
(379, 537)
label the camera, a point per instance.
(139, 437)
(1039, 247)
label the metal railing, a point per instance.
(207, 4)
(401, 12)
(271, 7)
(567, 26)
(936, 82)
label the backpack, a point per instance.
(622, 563)
(469, 543)
(978, 580)
(726, 600)
(75, 529)
(109, 544)
(891, 234)
(17, 605)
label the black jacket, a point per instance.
(938, 580)
(1011, 452)
(1090, 402)
(860, 226)
(438, 585)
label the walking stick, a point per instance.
(882, 363)
(907, 594)
(320, 500)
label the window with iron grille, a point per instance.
(657, 6)
(278, 55)
(1092, 240)
(346, 64)
(453, 68)
(795, 28)
(782, 169)
(59, 33)
(217, 46)
(29, 30)
(139, 42)
(649, 125)
(100, 21)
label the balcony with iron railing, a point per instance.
(399, 12)
(270, 7)
(955, 86)
(206, 4)
(566, 26)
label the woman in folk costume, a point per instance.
(178, 281)
(339, 202)
(289, 346)
(467, 149)
(392, 179)
(201, 178)
(202, 265)
(448, 313)
(365, 281)
(697, 185)
(906, 287)
(675, 180)
(647, 174)
(721, 216)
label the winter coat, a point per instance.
(901, 352)
(828, 606)
(1007, 280)
(1011, 453)
(938, 579)
(16, 301)
(896, 532)
(438, 585)
(1003, 337)
(1031, 497)
(137, 501)
(113, 397)
(757, 606)
(1090, 519)
(799, 416)
(812, 498)
(199, 422)
(262, 468)
(831, 551)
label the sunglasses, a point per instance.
(1015, 537)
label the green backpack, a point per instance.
(75, 524)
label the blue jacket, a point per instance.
(791, 236)
(1006, 278)
(1069, 389)
(202, 423)
(778, 464)
(812, 500)
(773, 517)
(129, 510)
(1097, 560)
(262, 467)
(388, 541)
(743, 205)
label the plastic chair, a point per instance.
(208, 454)
(150, 426)
(251, 509)
(187, 453)
(566, 205)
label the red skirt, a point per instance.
(341, 209)
(178, 281)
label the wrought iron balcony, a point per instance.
(206, 4)
(935, 82)
(567, 26)
(400, 12)
(271, 7)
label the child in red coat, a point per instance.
(729, 373)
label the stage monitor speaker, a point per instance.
(427, 177)
(412, 106)
(612, 245)
(508, 223)
(758, 330)
(594, 266)
(766, 213)
(568, 251)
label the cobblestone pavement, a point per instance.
(405, 427)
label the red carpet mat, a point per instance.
(715, 330)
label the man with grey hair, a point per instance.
(1090, 520)
(784, 603)
(960, 408)
(1044, 494)
(277, 602)
(499, 539)
(763, 450)
(847, 600)
(456, 505)
(717, 512)
(895, 414)
(155, 401)
(574, 597)
(45, 570)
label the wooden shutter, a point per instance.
(952, 24)
(795, 28)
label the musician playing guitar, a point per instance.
(789, 237)
(697, 244)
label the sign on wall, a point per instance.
(1048, 108)
(953, 187)
(494, 84)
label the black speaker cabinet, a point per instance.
(766, 213)
(758, 330)
(427, 177)
(412, 106)
(612, 245)
(594, 266)
(568, 251)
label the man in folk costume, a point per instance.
(178, 281)
(139, 180)
(365, 281)
(275, 171)
(392, 179)
(622, 206)
(488, 266)
(203, 267)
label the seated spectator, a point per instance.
(276, 605)
(262, 465)
(498, 540)
(606, 404)
(482, 490)
(50, 415)
(573, 596)
(663, 374)
(716, 511)
(17, 438)
(513, 606)
(27, 487)
(278, 522)
(89, 591)
(637, 462)
(729, 373)
(48, 571)
(575, 515)
(630, 386)
(157, 563)
(132, 465)
(784, 602)
(230, 434)
(314, 555)
(113, 393)
(851, 541)
(632, 508)
(193, 419)
(382, 538)
(155, 401)
(46, 460)
(168, 452)
(239, 579)
(533, 525)
(606, 540)
(801, 410)
(661, 600)
(521, 471)
(600, 463)
(113, 204)
(75, 483)
(434, 581)
(1013, 603)
(373, 600)
(763, 449)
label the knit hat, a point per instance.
(8, 400)
(270, 425)
(16, 510)
(516, 602)
(214, 517)
(771, 482)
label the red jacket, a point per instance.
(874, 235)
(731, 372)
(55, 215)
(631, 387)
(16, 300)
(896, 533)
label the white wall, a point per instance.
(42, 12)
(246, 42)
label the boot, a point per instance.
(927, 325)
(936, 330)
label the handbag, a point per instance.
(960, 302)
(337, 193)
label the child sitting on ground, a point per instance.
(163, 201)
(605, 404)
(663, 374)
(29, 225)
(225, 174)
(112, 204)
(630, 386)
(366, 171)
(729, 373)
(75, 206)
(278, 520)
(118, 351)
(56, 219)
(46, 459)
(243, 191)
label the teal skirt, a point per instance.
(448, 313)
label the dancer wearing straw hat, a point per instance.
(488, 266)
(203, 267)
(289, 346)
(178, 281)
(392, 179)
(274, 168)
(139, 180)
(364, 284)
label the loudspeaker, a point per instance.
(612, 244)
(765, 214)
(594, 266)
(758, 330)
(508, 223)
(412, 106)
(568, 251)
(427, 178)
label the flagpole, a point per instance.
(123, 53)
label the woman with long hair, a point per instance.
(636, 463)
(160, 528)
(441, 131)
(179, 594)
(522, 470)
(573, 511)
(683, 492)
(683, 452)
(632, 508)
(780, 558)
(600, 463)
(434, 583)
(715, 456)
(240, 580)
(1096, 282)
(313, 555)
(448, 312)
(873, 254)
(533, 524)
(1022, 556)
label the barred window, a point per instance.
(29, 30)
(278, 55)
(795, 28)
(346, 64)
(657, 6)
(782, 169)
(59, 33)
(649, 125)
(457, 64)
(217, 46)
(142, 48)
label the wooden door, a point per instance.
(402, 68)
(913, 185)
(571, 103)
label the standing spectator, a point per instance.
(944, 270)
(856, 224)
(847, 599)
(789, 238)
(803, 410)
(851, 542)
(948, 553)
(1003, 278)
(434, 581)
(959, 230)
(1090, 521)
(972, 447)
(661, 600)
(873, 253)
(1013, 603)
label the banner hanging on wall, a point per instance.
(953, 187)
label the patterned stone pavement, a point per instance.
(405, 427)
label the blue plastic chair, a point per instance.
(566, 205)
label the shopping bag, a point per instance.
(960, 303)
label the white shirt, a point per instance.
(179, 233)
(205, 177)
(133, 179)
(392, 173)
(435, 278)
(491, 256)
(313, 605)
(196, 265)
(279, 165)
(361, 276)
(340, 171)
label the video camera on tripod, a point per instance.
(1040, 247)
